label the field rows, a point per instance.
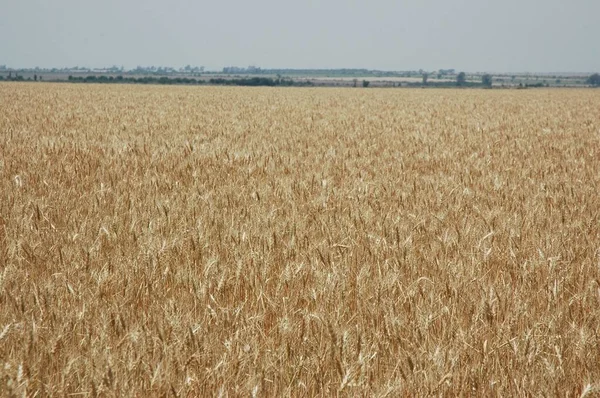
(241, 241)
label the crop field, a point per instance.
(215, 241)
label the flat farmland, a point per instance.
(217, 241)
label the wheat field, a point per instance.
(185, 241)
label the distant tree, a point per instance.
(461, 79)
(355, 81)
(486, 80)
(594, 80)
(425, 77)
(366, 83)
(35, 78)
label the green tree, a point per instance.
(425, 77)
(486, 80)
(461, 79)
(366, 83)
(594, 80)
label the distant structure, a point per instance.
(237, 70)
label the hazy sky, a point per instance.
(470, 35)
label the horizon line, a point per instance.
(6, 67)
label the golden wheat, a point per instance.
(298, 242)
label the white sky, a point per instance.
(470, 35)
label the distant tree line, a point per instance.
(258, 81)
(133, 80)
(253, 81)
(460, 81)
(13, 78)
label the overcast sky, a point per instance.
(470, 35)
